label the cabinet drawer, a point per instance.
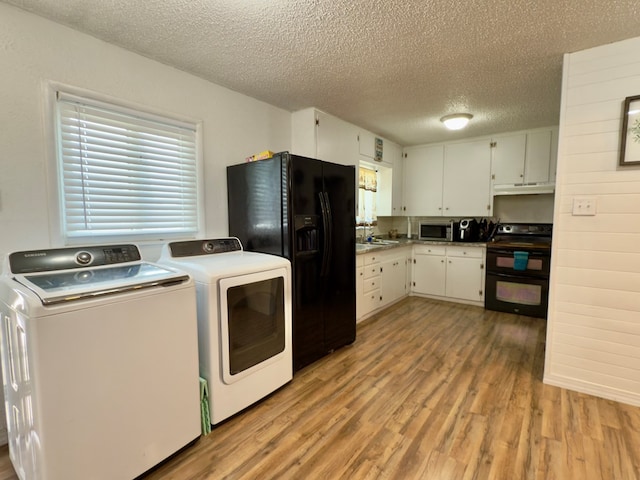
(371, 258)
(430, 249)
(471, 252)
(371, 284)
(371, 271)
(371, 301)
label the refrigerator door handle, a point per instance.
(329, 248)
(325, 230)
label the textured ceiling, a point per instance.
(393, 67)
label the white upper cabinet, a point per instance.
(467, 179)
(508, 158)
(367, 144)
(524, 162)
(423, 170)
(539, 158)
(337, 140)
(389, 200)
(451, 180)
(319, 135)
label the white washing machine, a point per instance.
(99, 359)
(244, 320)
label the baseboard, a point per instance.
(449, 299)
(601, 391)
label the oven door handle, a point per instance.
(519, 277)
(532, 253)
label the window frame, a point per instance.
(59, 236)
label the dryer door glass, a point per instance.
(256, 316)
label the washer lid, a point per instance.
(70, 285)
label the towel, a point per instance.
(520, 260)
(205, 418)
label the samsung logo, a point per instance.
(38, 254)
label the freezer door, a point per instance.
(257, 212)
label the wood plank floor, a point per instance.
(429, 390)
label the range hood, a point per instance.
(524, 189)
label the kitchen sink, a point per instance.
(384, 242)
(375, 244)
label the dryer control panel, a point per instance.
(211, 246)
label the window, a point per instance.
(368, 185)
(123, 172)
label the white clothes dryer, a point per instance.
(244, 320)
(99, 359)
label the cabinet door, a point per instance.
(507, 165)
(423, 167)
(393, 278)
(429, 274)
(386, 281)
(464, 278)
(359, 291)
(537, 169)
(392, 154)
(337, 140)
(467, 179)
(367, 144)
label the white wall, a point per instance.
(34, 50)
(593, 335)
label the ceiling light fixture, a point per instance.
(456, 121)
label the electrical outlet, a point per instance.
(584, 206)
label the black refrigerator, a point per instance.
(303, 209)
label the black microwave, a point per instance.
(436, 231)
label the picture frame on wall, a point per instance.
(630, 139)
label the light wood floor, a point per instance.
(429, 390)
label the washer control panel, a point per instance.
(69, 258)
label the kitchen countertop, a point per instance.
(362, 248)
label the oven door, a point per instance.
(254, 322)
(521, 294)
(504, 261)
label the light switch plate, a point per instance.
(584, 206)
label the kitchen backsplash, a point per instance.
(508, 208)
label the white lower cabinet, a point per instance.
(393, 275)
(450, 272)
(429, 269)
(381, 279)
(368, 285)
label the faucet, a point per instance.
(363, 234)
(370, 236)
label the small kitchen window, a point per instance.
(368, 186)
(123, 172)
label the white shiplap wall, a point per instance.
(593, 334)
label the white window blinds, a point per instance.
(124, 172)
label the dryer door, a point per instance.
(255, 322)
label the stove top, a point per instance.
(526, 236)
